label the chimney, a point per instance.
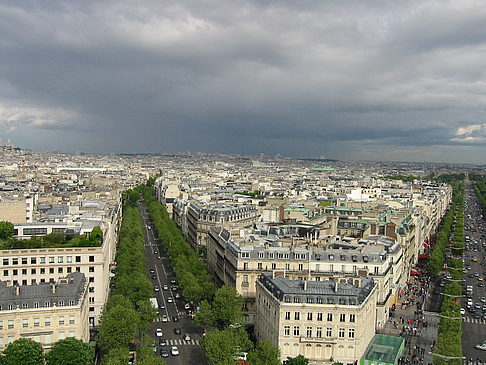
(17, 289)
(336, 285)
(305, 285)
(53, 287)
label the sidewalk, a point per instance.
(408, 320)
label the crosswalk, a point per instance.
(182, 342)
(473, 320)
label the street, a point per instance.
(173, 317)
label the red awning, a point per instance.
(423, 256)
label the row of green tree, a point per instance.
(449, 342)
(8, 242)
(479, 186)
(29, 352)
(128, 313)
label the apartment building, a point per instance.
(43, 265)
(303, 255)
(327, 321)
(45, 312)
(201, 217)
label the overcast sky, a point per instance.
(373, 80)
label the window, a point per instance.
(287, 315)
(33, 271)
(286, 330)
(91, 299)
(59, 270)
(36, 304)
(60, 259)
(352, 318)
(301, 267)
(296, 331)
(71, 319)
(319, 332)
(376, 270)
(15, 261)
(91, 259)
(71, 302)
(78, 269)
(91, 279)
(261, 255)
(36, 322)
(351, 333)
(309, 316)
(78, 258)
(1, 325)
(60, 303)
(341, 333)
(33, 260)
(91, 309)
(51, 259)
(274, 265)
(34, 231)
(51, 270)
(24, 271)
(91, 289)
(243, 254)
(297, 316)
(25, 306)
(25, 323)
(5, 261)
(5, 272)
(10, 324)
(62, 335)
(342, 317)
(329, 332)
(47, 339)
(42, 260)
(319, 316)
(42, 271)
(47, 321)
(15, 272)
(69, 259)
(24, 260)
(308, 332)
(69, 270)
(260, 266)
(47, 304)
(61, 320)
(329, 317)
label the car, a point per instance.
(480, 278)
(165, 318)
(158, 257)
(483, 299)
(477, 315)
(442, 283)
(174, 287)
(480, 284)
(186, 337)
(471, 275)
(177, 331)
(173, 281)
(175, 319)
(463, 311)
(164, 352)
(156, 288)
(165, 287)
(162, 342)
(162, 306)
(154, 277)
(187, 306)
(152, 271)
(170, 300)
(476, 274)
(177, 295)
(481, 346)
(474, 259)
(158, 332)
(174, 351)
(156, 252)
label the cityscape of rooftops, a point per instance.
(242, 182)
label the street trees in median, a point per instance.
(23, 351)
(70, 351)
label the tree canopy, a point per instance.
(226, 309)
(23, 351)
(70, 351)
(6, 230)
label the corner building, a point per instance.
(325, 321)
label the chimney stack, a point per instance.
(17, 289)
(53, 287)
(336, 285)
(305, 285)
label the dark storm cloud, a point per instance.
(349, 79)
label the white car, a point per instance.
(463, 311)
(481, 346)
(158, 332)
(165, 318)
(169, 300)
(174, 351)
(187, 306)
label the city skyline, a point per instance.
(403, 81)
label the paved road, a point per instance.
(474, 329)
(190, 351)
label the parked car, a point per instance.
(174, 351)
(177, 331)
(158, 332)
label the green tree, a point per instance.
(96, 235)
(221, 346)
(70, 351)
(118, 327)
(298, 360)
(116, 356)
(23, 351)
(6, 230)
(264, 354)
(146, 354)
(225, 309)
